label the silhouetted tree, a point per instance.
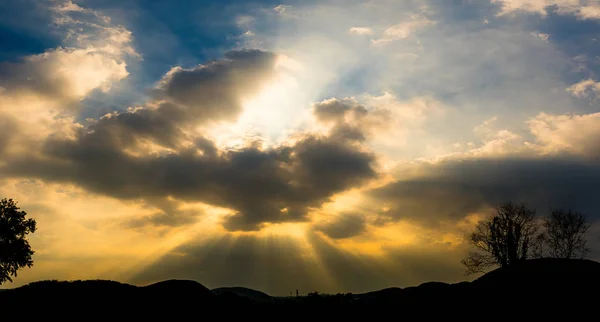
(503, 239)
(15, 251)
(565, 234)
(538, 248)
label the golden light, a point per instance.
(273, 110)
(274, 113)
(294, 230)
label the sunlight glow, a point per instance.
(274, 113)
(377, 238)
(295, 230)
(275, 108)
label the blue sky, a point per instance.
(191, 138)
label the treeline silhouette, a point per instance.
(537, 286)
(513, 234)
(541, 272)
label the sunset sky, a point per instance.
(334, 145)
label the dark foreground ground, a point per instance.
(543, 288)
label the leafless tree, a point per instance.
(538, 248)
(503, 239)
(565, 234)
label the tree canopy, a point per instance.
(503, 239)
(15, 251)
(564, 234)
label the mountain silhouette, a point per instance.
(550, 285)
(544, 273)
(243, 292)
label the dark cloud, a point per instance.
(35, 74)
(349, 120)
(276, 185)
(8, 130)
(279, 184)
(336, 110)
(167, 215)
(345, 226)
(280, 266)
(348, 132)
(451, 189)
(126, 130)
(215, 91)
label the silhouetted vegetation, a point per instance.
(506, 239)
(15, 251)
(523, 287)
(502, 240)
(513, 234)
(564, 234)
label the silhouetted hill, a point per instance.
(389, 292)
(105, 298)
(540, 287)
(244, 292)
(179, 290)
(545, 272)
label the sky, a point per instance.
(331, 146)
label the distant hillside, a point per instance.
(550, 272)
(244, 292)
(534, 287)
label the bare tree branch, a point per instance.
(503, 239)
(565, 234)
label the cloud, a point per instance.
(281, 9)
(169, 214)
(334, 110)
(543, 36)
(349, 120)
(8, 130)
(344, 226)
(584, 88)
(557, 168)
(581, 8)
(42, 93)
(575, 134)
(450, 190)
(66, 75)
(361, 31)
(404, 29)
(444, 113)
(215, 91)
(151, 152)
(93, 57)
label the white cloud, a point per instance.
(401, 123)
(486, 129)
(41, 88)
(591, 11)
(404, 29)
(571, 133)
(93, 31)
(584, 88)
(281, 9)
(543, 36)
(583, 9)
(413, 111)
(77, 70)
(500, 143)
(244, 21)
(93, 56)
(361, 31)
(553, 134)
